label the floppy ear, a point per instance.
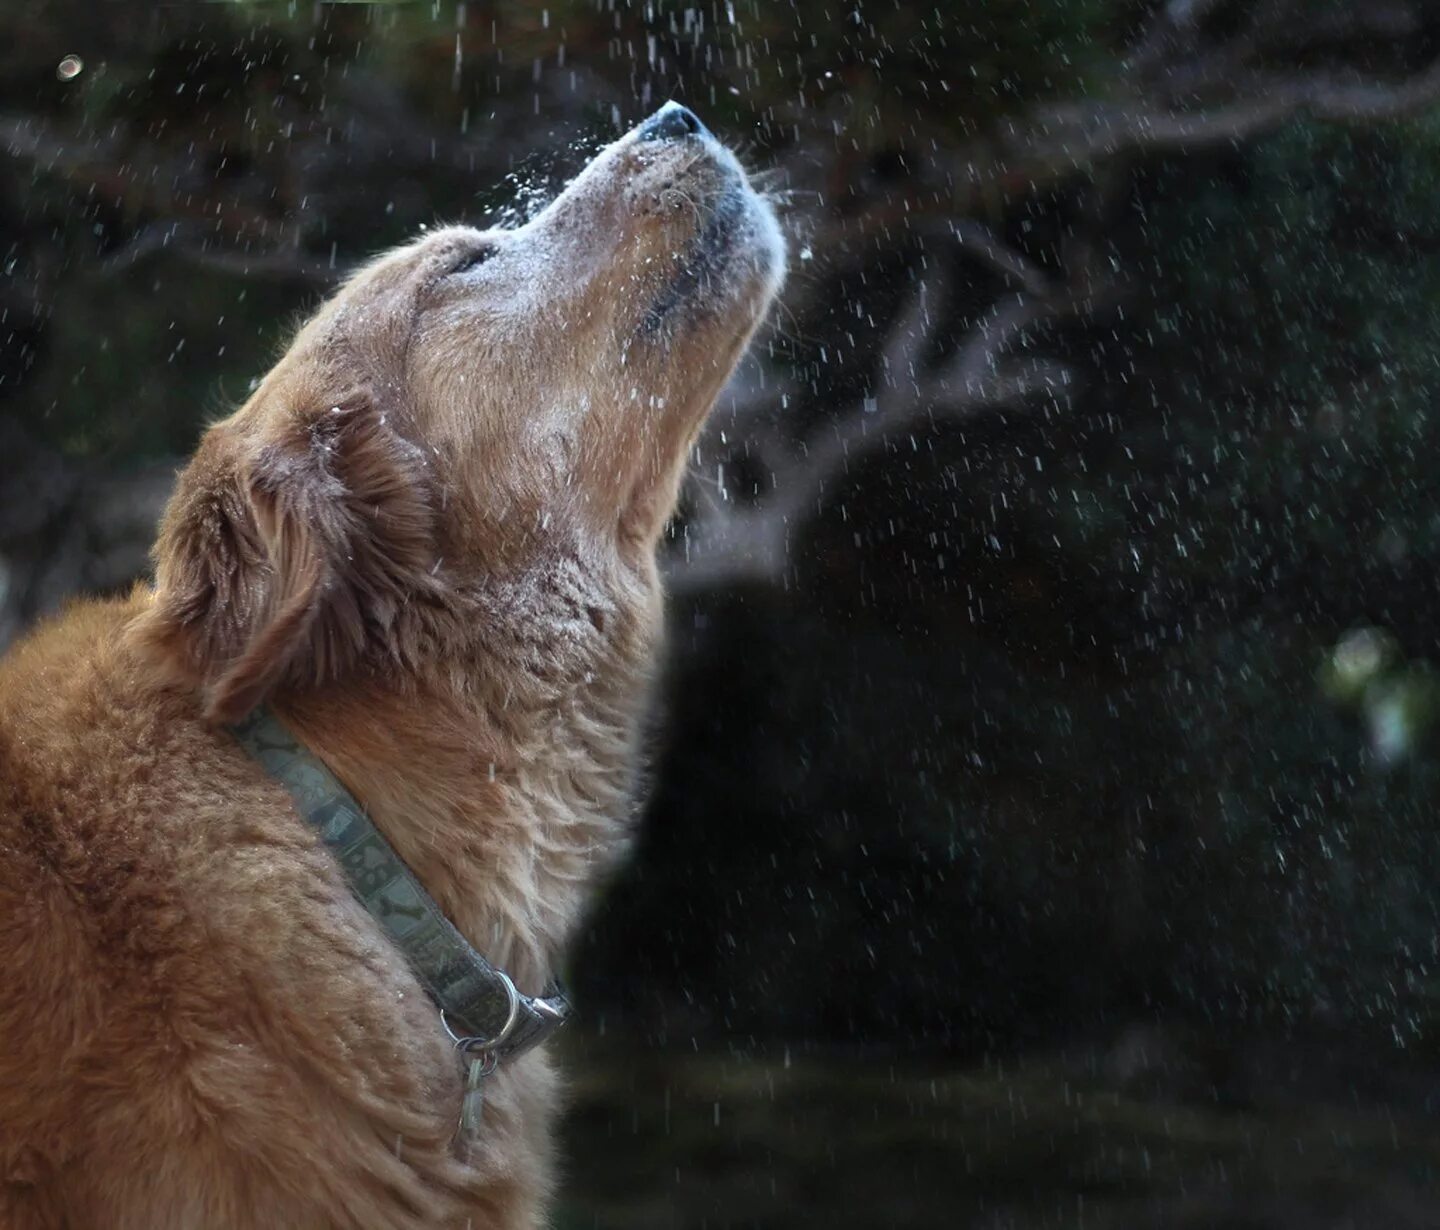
(282, 562)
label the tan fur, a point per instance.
(428, 540)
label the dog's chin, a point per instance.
(729, 271)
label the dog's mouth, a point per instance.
(727, 251)
(694, 243)
(734, 255)
(604, 327)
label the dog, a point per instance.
(426, 546)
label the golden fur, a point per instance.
(428, 541)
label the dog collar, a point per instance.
(480, 1007)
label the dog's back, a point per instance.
(90, 928)
(53, 880)
(187, 979)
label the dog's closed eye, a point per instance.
(470, 260)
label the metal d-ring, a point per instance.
(468, 1044)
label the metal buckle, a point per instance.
(553, 1007)
(471, 1044)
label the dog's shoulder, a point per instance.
(93, 768)
(71, 884)
(151, 824)
(59, 726)
(174, 937)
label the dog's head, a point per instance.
(464, 409)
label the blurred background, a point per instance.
(1047, 810)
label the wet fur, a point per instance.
(201, 1027)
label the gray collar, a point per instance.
(479, 1005)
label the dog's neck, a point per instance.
(504, 772)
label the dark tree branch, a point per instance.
(727, 541)
(195, 248)
(1177, 92)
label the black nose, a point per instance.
(672, 120)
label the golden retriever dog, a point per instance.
(427, 543)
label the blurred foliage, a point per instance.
(1295, 315)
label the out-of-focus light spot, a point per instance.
(1390, 727)
(1360, 658)
(69, 68)
(1361, 654)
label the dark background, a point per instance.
(1045, 829)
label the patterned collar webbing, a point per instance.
(479, 1004)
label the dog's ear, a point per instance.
(281, 561)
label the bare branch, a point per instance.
(977, 241)
(727, 541)
(1079, 136)
(196, 248)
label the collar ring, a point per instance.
(469, 1044)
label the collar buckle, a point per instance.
(493, 1045)
(529, 1020)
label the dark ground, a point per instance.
(1144, 1132)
